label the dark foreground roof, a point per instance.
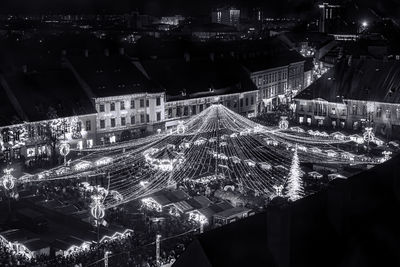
(362, 79)
(354, 222)
(197, 76)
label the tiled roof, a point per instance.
(112, 75)
(362, 79)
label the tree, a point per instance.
(54, 131)
(294, 186)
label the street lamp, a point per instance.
(8, 181)
(158, 239)
(98, 211)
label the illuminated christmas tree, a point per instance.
(294, 187)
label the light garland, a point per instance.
(215, 143)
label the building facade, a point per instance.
(243, 103)
(40, 139)
(227, 16)
(120, 118)
(278, 85)
(353, 95)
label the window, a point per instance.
(398, 113)
(112, 122)
(101, 107)
(132, 103)
(78, 126)
(89, 143)
(31, 131)
(112, 106)
(142, 103)
(354, 110)
(185, 111)
(147, 118)
(158, 101)
(201, 107)
(378, 112)
(247, 101)
(158, 116)
(123, 121)
(252, 100)
(178, 111)
(122, 105)
(170, 113)
(88, 125)
(388, 114)
(141, 118)
(241, 102)
(147, 103)
(333, 111)
(102, 124)
(194, 110)
(79, 145)
(133, 120)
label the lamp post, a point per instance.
(158, 239)
(64, 151)
(98, 211)
(8, 181)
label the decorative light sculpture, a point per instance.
(283, 123)
(97, 208)
(278, 190)
(64, 151)
(180, 128)
(295, 184)
(368, 135)
(8, 179)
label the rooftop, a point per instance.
(362, 79)
(112, 75)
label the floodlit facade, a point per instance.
(123, 117)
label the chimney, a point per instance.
(186, 56)
(24, 68)
(86, 53)
(122, 51)
(106, 52)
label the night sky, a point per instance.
(170, 7)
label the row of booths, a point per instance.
(198, 208)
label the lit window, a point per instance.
(122, 105)
(79, 145)
(30, 152)
(88, 125)
(89, 143)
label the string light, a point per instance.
(215, 140)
